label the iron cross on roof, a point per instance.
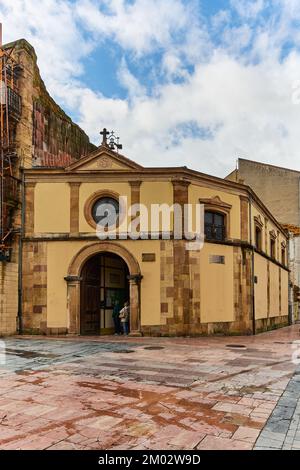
(104, 133)
(113, 143)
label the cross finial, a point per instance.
(104, 133)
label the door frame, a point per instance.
(74, 279)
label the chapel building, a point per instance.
(58, 277)
(236, 283)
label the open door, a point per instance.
(104, 282)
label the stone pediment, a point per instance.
(215, 201)
(104, 159)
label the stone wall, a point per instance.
(8, 298)
(35, 287)
(44, 136)
(173, 321)
(278, 188)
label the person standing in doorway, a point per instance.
(116, 319)
(124, 317)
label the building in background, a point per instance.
(279, 189)
(34, 131)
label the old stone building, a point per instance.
(279, 189)
(237, 282)
(60, 278)
(34, 131)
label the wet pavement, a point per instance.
(149, 393)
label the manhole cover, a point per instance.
(124, 351)
(152, 348)
(241, 346)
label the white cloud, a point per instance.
(50, 26)
(139, 26)
(129, 81)
(247, 108)
(248, 8)
(233, 104)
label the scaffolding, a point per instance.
(10, 114)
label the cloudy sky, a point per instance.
(182, 82)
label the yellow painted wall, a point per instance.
(199, 192)
(260, 289)
(274, 290)
(216, 285)
(60, 255)
(87, 189)
(284, 293)
(52, 208)
(155, 193)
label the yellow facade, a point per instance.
(60, 254)
(261, 299)
(88, 189)
(216, 285)
(198, 192)
(52, 208)
(226, 286)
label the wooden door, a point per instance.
(90, 298)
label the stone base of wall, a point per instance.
(46, 331)
(222, 328)
(8, 298)
(271, 323)
(201, 329)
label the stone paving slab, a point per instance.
(282, 430)
(115, 393)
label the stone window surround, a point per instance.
(283, 250)
(258, 224)
(88, 207)
(215, 204)
(273, 237)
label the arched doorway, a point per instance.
(104, 282)
(75, 278)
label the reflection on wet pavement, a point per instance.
(168, 393)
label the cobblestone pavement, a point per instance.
(149, 393)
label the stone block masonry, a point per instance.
(44, 136)
(8, 298)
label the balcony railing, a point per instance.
(10, 193)
(14, 102)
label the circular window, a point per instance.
(105, 211)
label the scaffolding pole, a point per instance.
(10, 113)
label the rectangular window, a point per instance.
(214, 226)
(216, 259)
(272, 247)
(258, 238)
(283, 256)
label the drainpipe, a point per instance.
(20, 256)
(252, 269)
